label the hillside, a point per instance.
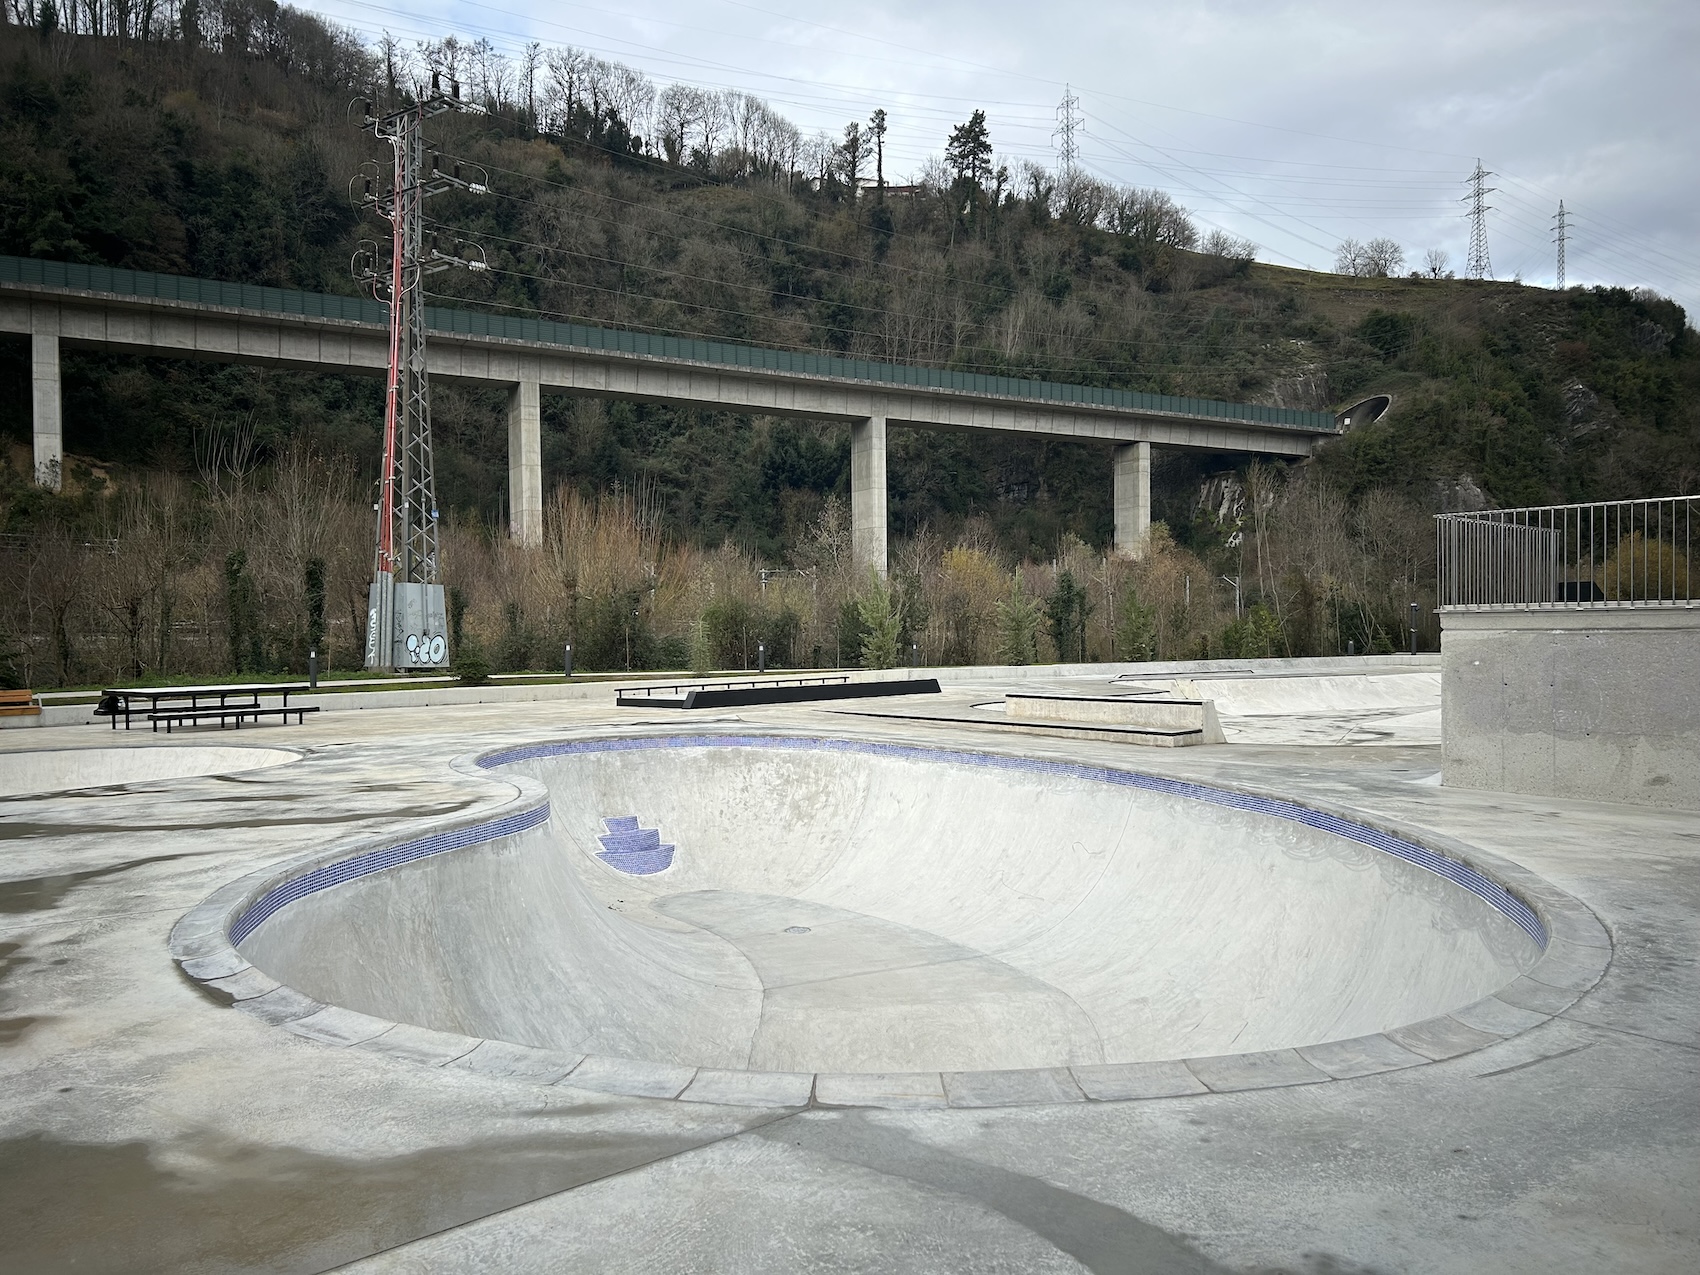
(233, 162)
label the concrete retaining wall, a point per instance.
(1602, 704)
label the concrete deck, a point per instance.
(147, 1125)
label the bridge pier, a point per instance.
(1133, 499)
(868, 493)
(525, 462)
(46, 400)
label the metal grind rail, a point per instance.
(1620, 553)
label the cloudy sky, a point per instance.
(1293, 125)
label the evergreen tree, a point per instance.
(969, 152)
(1018, 627)
(1065, 614)
(882, 621)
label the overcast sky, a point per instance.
(1293, 125)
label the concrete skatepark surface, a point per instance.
(837, 909)
(60, 769)
(150, 1120)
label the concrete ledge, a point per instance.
(1194, 720)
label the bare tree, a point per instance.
(1151, 216)
(1436, 264)
(876, 130)
(1373, 260)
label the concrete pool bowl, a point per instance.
(785, 920)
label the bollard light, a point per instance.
(1413, 628)
(1351, 647)
(567, 659)
(914, 655)
(761, 657)
(313, 669)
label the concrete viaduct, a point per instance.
(58, 304)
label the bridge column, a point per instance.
(49, 430)
(525, 462)
(867, 493)
(1133, 499)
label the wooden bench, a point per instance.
(226, 713)
(18, 704)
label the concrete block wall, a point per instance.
(1595, 703)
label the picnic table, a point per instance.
(188, 705)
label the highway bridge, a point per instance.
(59, 304)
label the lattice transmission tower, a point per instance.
(1478, 266)
(1561, 223)
(1069, 125)
(407, 619)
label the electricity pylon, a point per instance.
(1563, 227)
(1068, 123)
(406, 618)
(1478, 265)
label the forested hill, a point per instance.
(226, 151)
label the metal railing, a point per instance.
(1620, 553)
(30, 271)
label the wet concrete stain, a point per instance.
(11, 961)
(248, 1206)
(20, 831)
(42, 894)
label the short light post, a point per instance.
(1235, 581)
(1413, 628)
(761, 657)
(313, 669)
(914, 655)
(567, 659)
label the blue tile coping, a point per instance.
(636, 851)
(1575, 952)
(1458, 873)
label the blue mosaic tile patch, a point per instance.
(324, 877)
(1460, 874)
(636, 851)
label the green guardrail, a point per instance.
(251, 296)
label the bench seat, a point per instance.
(237, 712)
(18, 704)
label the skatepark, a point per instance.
(550, 983)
